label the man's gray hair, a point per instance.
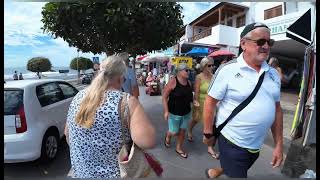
(204, 62)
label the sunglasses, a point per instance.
(187, 70)
(210, 65)
(261, 42)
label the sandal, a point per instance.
(182, 154)
(166, 144)
(214, 155)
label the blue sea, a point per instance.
(8, 73)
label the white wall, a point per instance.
(261, 6)
(188, 32)
(221, 34)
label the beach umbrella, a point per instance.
(221, 53)
(141, 57)
(158, 57)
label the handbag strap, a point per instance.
(242, 105)
(124, 114)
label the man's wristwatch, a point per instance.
(208, 135)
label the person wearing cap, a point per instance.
(130, 84)
(241, 139)
(200, 92)
(176, 100)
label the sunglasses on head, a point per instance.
(261, 42)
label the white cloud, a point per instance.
(22, 27)
(22, 23)
(192, 10)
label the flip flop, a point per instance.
(214, 155)
(190, 138)
(182, 154)
(167, 145)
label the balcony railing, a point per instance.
(201, 35)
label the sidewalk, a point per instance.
(198, 159)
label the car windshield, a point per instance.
(13, 99)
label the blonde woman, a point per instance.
(93, 128)
(200, 91)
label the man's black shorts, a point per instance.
(235, 161)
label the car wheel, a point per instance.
(49, 146)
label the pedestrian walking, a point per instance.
(94, 129)
(20, 76)
(285, 79)
(200, 92)
(130, 85)
(15, 75)
(177, 98)
(235, 84)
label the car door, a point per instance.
(68, 92)
(51, 99)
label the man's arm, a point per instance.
(134, 85)
(135, 91)
(277, 133)
(210, 105)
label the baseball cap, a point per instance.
(249, 28)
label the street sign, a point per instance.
(95, 60)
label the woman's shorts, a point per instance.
(177, 122)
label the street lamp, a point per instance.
(78, 67)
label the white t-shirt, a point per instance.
(233, 83)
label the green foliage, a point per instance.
(81, 62)
(114, 26)
(39, 64)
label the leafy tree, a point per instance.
(81, 63)
(114, 26)
(39, 64)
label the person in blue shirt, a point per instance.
(130, 84)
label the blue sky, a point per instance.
(23, 38)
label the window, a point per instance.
(13, 100)
(68, 90)
(273, 12)
(49, 93)
(241, 21)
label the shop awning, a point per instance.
(301, 29)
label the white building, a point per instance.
(221, 27)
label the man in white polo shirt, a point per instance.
(242, 137)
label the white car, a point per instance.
(35, 113)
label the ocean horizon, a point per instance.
(8, 73)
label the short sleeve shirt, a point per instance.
(94, 151)
(130, 81)
(232, 83)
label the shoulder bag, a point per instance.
(133, 161)
(216, 131)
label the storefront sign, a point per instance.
(179, 60)
(281, 26)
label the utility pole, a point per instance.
(78, 67)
